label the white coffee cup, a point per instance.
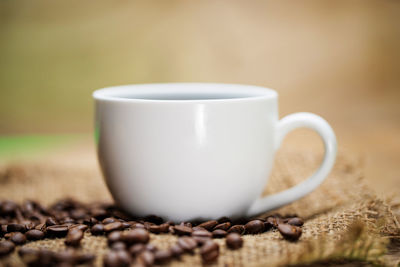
(187, 151)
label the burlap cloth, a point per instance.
(344, 219)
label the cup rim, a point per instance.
(242, 92)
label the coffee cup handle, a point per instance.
(285, 125)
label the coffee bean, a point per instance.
(146, 258)
(187, 224)
(29, 225)
(84, 258)
(187, 243)
(209, 252)
(137, 225)
(6, 247)
(118, 245)
(162, 228)
(8, 207)
(223, 226)
(93, 221)
(82, 227)
(209, 225)
(114, 236)
(219, 233)
(201, 236)
(162, 256)
(34, 234)
(67, 255)
(150, 247)
(28, 255)
(254, 227)
(290, 232)
(99, 213)
(176, 250)
(79, 214)
(234, 241)
(136, 236)
(125, 225)
(182, 230)
(268, 225)
(136, 249)
(41, 227)
(272, 221)
(296, 221)
(154, 219)
(237, 229)
(113, 227)
(18, 238)
(198, 228)
(97, 229)
(224, 220)
(15, 227)
(74, 237)
(119, 258)
(57, 230)
(109, 220)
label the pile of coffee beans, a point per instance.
(128, 237)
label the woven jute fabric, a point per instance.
(344, 219)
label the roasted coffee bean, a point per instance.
(8, 207)
(202, 233)
(67, 255)
(34, 234)
(272, 221)
(125, 225)
(223, 226)
(187, 224)
(82, 227)
(290, 232)
(99, 213)
(78, 214)
(182, 230)
(3, 229)
(29, 225)
(234, 241)
(74, 237)
(84, 258)
(296, 221)
(41, 227)
(171, 229)
(114, 236)
(237, 229)
(137, 225)
(254, 227)
(67, 220)
(150, 247)
(219, 233)
(176, 250)
(28, 255)
(209, 225)
(201, 236)
(156, 229)
(97, 229)
(268, 225)
(136, 236)
(209, 252)
(93, 221)
(118, 245)
(6, 247)
(109, 220)
(57, 230)
(146, 258)
(154, 219)
(198, 228)
(136, 249)
(223, 220)
(119, 258)
(162, 256)
(187, 243)
(113, 227)
(15, 227)
(18, 238)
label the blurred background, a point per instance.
(339, 59)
